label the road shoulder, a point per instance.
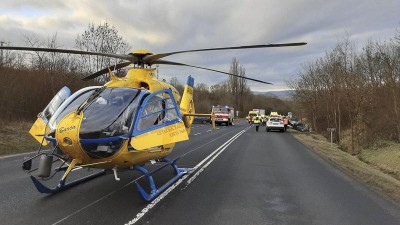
(372, 177)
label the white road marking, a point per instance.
(196, 134)
(15, 155)
(209, 131)
(213, 158)
(212, 155)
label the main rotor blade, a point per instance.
(105, 70)
(159, 61)
(118, 56)
(149, 59)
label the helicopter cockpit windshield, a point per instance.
(110, 113)
(107, 116)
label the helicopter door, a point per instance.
(158, 122)
(39, 128)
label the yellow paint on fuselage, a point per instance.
(67, 136)
(69, 127)
(187, 107)
(137, 77)
(142, 52)
(165, 135)
(38, 130)
(67, 131)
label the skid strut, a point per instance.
(154, 191)
(62, 185)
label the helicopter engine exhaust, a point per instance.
(45, 164)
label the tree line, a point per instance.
(355, 91)
(233, 92)
(29, 80)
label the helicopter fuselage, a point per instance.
(126, 122)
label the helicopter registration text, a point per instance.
(62, 129)
(172, 130)
(162, 136)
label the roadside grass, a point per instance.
(379, 171)
(385, 156)
(15, 137)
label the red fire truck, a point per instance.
(224, 115)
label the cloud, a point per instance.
(171, 25)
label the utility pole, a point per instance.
(1, 42)
(157, 70)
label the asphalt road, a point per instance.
(241, 177)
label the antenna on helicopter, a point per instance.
(157, 70)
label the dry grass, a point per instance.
(384, 156)
(15, 138)
(377, 179)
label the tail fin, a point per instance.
(187, 104)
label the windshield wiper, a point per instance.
(90, 99)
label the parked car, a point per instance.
(275, 123)
(202, 120)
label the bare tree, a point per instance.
(175, 82)
(358, 93)
(32, 79)
(238, 85)
(101, 38)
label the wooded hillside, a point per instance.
(355, 91)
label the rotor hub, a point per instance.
(142, 52)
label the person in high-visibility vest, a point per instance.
(257, 121)
(285, 122)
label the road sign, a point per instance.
(331, 130)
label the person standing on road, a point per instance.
(285, 122)
(257, 121)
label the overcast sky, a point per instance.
(172, 25)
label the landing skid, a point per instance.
(62, 185)
(154, 192)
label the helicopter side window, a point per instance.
(56, 102)
(157, 112)
(152, 113)
(75, 100)
(170, 112)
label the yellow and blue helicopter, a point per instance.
(119, 126)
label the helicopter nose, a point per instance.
(67, 135)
